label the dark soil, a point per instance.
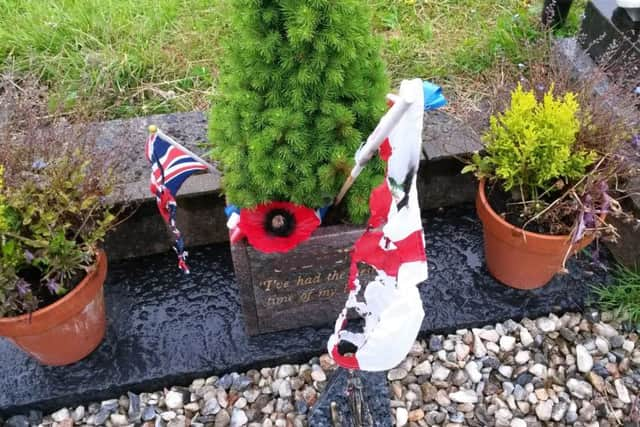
(511, 211)
(42, 295)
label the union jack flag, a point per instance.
(171, 165)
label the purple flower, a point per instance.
(589, 220)
(635, 141)
(39, 164)
(53, 286)
(23, 287)
(580, 229)
(28, 256)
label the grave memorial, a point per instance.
(235, 321)
(609, 33)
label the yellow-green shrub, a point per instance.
(533, 144)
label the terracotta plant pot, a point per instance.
(67, 330)
(518, 258)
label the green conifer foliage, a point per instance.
(302, 84)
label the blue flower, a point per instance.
(23, 287)
(635, 141)
(53, 286)
(28, 256)
(39, 164)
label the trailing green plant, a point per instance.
(623, 295)
(302, 84)
(532, 144)
(54, 211)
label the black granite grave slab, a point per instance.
(165, 328)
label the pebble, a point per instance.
(506, 371)
(285, 389)
(416, 415)
(503, 417)
(442, 398)
(17, 421)
(61, 415)
(435, 343)
(604, 330)
(396, 374)
(174, 400)
(628, 346)
(402, 417)
(602, 345)
(474, 373)
(492, 347)
(522, 357)
(78, 414)
(238, 418)
(222, 419)
(587, 412)
(240, 403)
(225, 382)
(119, 419)
(423, 368)
(479, 350)
(546, 325)
(464, 396)
(211, 407)
(518, 422)
(559, 411)
(435, 418)
(149, 413)
(544, 410)
(584, 359)
(580, 389)
(459, 378)
(525, 337)
(621, 391)
(616, 341)
(507, 343)
(457, 417)
(440, 373)
(572, 413)
(109, 405)
(286, 371)
(488, 335)
(539, 370)
(462, 351)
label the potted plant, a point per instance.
(54, 214)
(551, 174)
(301, 86)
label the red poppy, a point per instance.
(278, 226)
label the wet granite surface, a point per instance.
(375, 390)
(167, 329)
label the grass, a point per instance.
(122, 58)
(623, 296)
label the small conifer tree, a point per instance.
(302, 84)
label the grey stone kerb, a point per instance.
(200, 214)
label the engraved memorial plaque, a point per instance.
(303, 287)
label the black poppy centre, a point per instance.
(280, 223)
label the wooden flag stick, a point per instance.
(154, 129)
(375, 140)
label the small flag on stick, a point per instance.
(171, 165)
